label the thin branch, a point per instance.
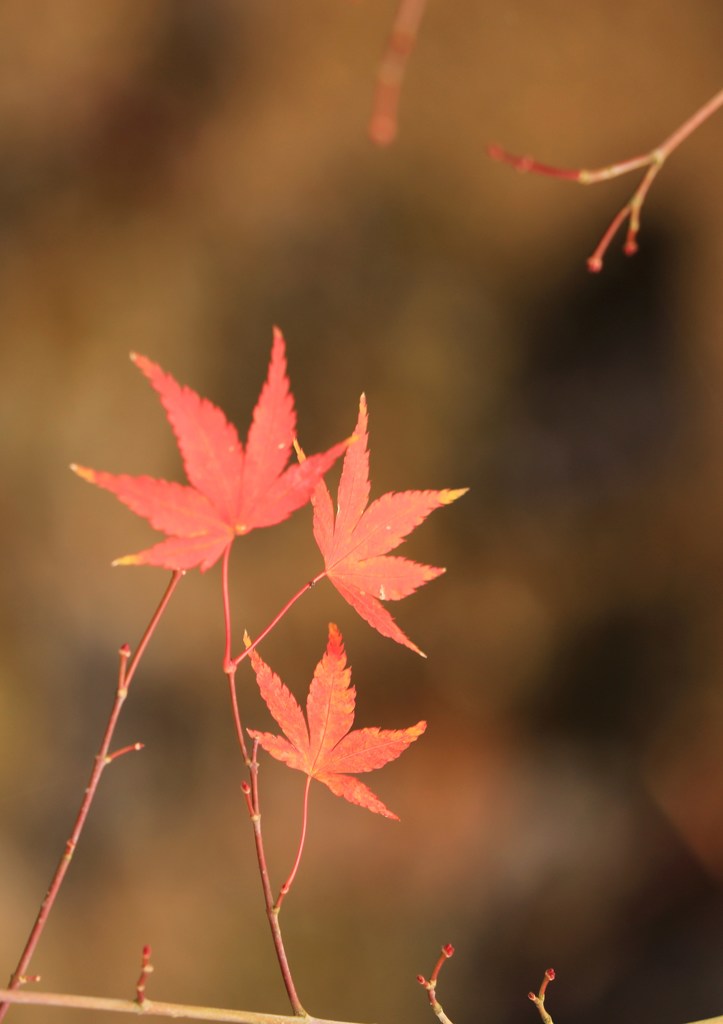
(275, 621)
(401, 42)
(304, 821)
(431, 985)
(251, 796)
(126, 671)
(146, 969)
(539, 999)
(630, 212)
(154, 1008)
(238, 727)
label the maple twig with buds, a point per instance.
(539, 998)
(431, 984)
(126, 670)
(155, 1008)
(630, 212)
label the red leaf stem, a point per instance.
(304, 821)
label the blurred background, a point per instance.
(176, 177)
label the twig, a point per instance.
(126, 671)
(539, 999)
(431, 985)
(402, 39)
(251, 796)
(251, 789)
(630, 212)
(154, 1008)
(146, 969)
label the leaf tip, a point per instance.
(278, 345)
(83, 472)
(125, 560)
(451, 494)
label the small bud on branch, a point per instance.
(539, 999)
(653, 160)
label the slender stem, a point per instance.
(304, 821)
(226, 609)
(653, 160)
(238, 727)
(146, 969)
(154, 1008)
(694, 121)
(229, 666)
(431, 985)
(383, 123)
(126, 671)
(275, 621)
(539, 998)
(251, 794)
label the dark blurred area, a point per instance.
(176, 176)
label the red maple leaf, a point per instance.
(232, 491)
(325, 748)
(355, 543)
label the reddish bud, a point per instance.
(594, 264)
(531, 996)
(448, 950)
(125, 651)
(421, 979)
(245, 788)
(550, 973)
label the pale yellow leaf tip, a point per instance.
(247, 639)
(83, 472)
(125, 560)
(448, 496)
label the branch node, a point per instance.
(146, 969)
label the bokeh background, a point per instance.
(175, 177)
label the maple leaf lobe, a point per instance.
(323, 745)
(355, 540)
(231, 491)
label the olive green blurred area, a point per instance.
(176, 177)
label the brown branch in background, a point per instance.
(539, 999)
(653, 160)
(401, 43)
(431, 985)
(154, 1008)
(126, 670)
